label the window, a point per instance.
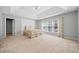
(50, 26)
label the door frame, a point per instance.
(13, 26)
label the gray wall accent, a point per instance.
(38, 24)
(0, 25)
(78, 23)
(70, 23)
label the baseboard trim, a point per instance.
(67, 37)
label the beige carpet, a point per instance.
(43, 43)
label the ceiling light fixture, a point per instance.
(36, 7)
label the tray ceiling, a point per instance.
(36, 12)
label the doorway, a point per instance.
(9, 27)
(61, 27)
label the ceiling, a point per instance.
(36, 12)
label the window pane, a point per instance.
(50, 26)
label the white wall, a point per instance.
(17, 26)
(27, 23)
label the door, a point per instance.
(61, 27)
(9, 26)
